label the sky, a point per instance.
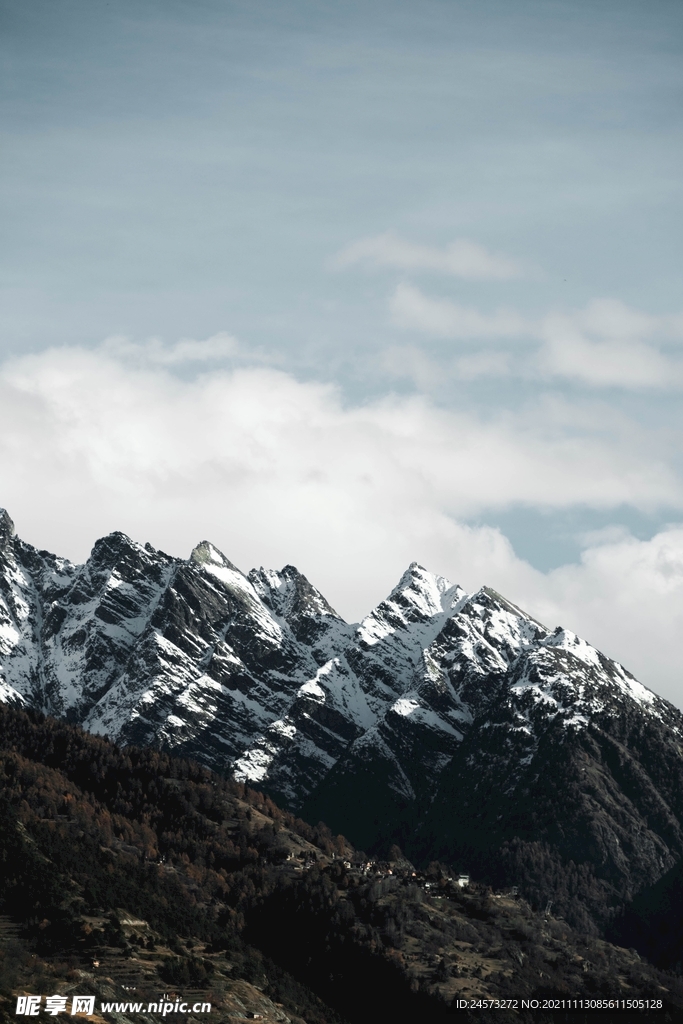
(348, 285)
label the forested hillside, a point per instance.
(168, 875)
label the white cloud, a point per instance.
(607, 344)
(609, 318)
(413, 310)
(274, 470)
(462, 258)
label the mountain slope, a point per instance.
(455, 724)
(135, 871)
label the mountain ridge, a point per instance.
(389, 730)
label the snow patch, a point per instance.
(253, 765)
(405, 706)
(285, 729)
(312, 689)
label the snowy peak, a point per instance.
(504, 626)
(565, 673)
(421, 594)
(415, 608)
(294, 601)
(206, 557)
(112, 549)
(290, 594)
(207, 554)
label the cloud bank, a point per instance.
(276, 470)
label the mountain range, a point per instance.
(454, 724)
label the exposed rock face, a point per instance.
(448, 720)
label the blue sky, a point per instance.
(437, 246)
(180, 168)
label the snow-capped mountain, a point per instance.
(440, 715)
